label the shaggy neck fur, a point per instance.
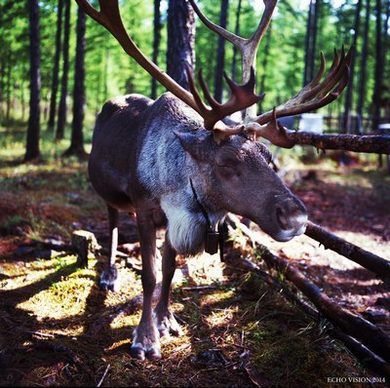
(187, 225)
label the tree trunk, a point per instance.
(65, 69)
(77, 139)
(156, 43)
(376, 100)
(308, 43)
(386, 41)
(311, 40)
(8, 96)
(237, 32)
(181, 40)
(57, 54)
(218, 88)
(32, 143)
(314, 33)
(2, 66)
(348, 95)
(363, 70)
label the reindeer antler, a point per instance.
(314, 95)
(242, 96)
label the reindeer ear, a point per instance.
(199, 145)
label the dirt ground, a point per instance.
(58, 328)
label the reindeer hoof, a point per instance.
(146, 343)
(139, 352)
(109, 279)
(167, 324)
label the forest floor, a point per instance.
(58, 328)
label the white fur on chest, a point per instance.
(186, 229)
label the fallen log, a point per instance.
(361, 329)
(379, 144)
(365, 355)
(372, 262)
(352, 324)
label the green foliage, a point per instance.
(110, 72)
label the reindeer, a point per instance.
(174, 162)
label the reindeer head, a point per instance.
(236, 177)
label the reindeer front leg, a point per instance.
(109, 276)
(146, 341)
(166, 322)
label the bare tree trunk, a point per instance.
(385, 47)
(376, 100)
(348, 95)
(219, 69)
(32, 143)
(363, 68)
(77, 139)
(311, 40)
(308, 43)
(8, 96)
(65, 69)
(56, 67)
(314, 32)
(22, 100)
(237, 32)
(2, 66)
(181, 40)
(156, 42)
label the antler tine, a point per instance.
(320, 72)
(241, 97)
(316, 94)
(202, 108)
(232, 38)
(247, 47)
(206, 92)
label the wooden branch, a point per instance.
(374, 263)
(276, 285)
(368, 143)
(354, 325)
(365, 355)
(366, 332)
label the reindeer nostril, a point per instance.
(282, 218)
(291, 216)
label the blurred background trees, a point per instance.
(288, 57)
